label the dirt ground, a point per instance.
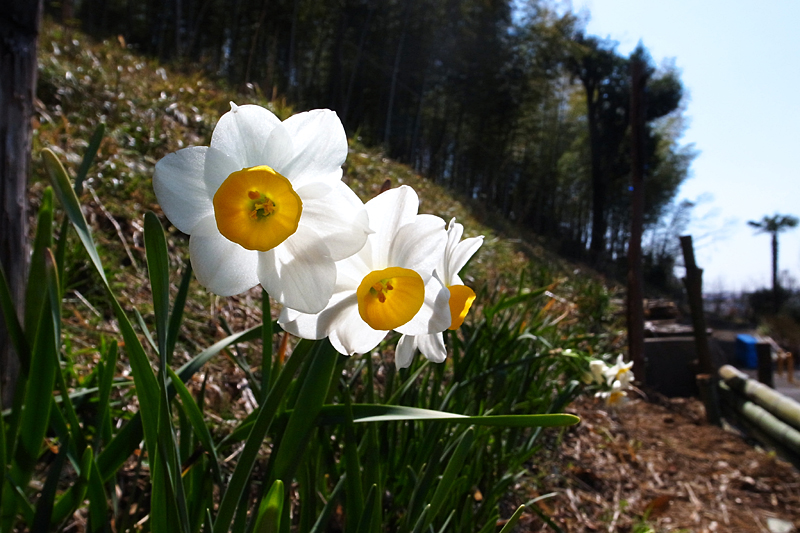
(661, 460)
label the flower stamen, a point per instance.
(380, 289)
(262, 204)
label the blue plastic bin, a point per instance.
(746, 354)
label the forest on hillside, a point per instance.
(510, 104)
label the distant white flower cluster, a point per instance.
(616, 379)
(265, 204)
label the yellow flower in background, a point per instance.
(455, 256)
(388, 285)
(265, 204)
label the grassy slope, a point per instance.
(150, 110)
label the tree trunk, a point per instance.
(597, 247)
(387, 131)
(635, 314)
(19, 30)
(351, 84)
(292, 89)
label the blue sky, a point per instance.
(740, 65)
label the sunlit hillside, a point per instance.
(150, 110)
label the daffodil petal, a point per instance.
(218, 166)
(432, 347)
(340, 321)
(350, 335)
(320, 147)
(388, 212)
(222, 266)
(350, 272)
(454, 232)
(462, 252)
(405, 350)
(242, 133)
(315, 191)
(180, 189)
(279, 150)
(299, 273)
(434, 315)
(315, 326)
(339, 218)
(419, 245)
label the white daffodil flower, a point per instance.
(388, 285)
(620, 371)
(265, 204)
(456, 255)
(615, 396)
(598, 370)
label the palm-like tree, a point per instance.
(774, 225)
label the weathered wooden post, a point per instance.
(764, 354)
(694, 290)
(707, 385)
(706, 378)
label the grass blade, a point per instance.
(455, 464)
(70, 500)
(336, 414)
(44, 507)
(178, 306)
(69, 201)
(98, 500)
(128, 438)
(34, 295)
(106, 370)
(509, 526)
(271, 510)
(321, 524)
(266, 346)
(266, 414)
(366, 518)
(354, 495)
(302, 420)
(44, 358)
(198, 424)
(155, 245)
(88, 158)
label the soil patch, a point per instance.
(660, 460)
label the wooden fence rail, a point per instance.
(762, 412)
